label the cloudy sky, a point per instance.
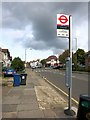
(32, 26)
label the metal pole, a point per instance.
(76, 54)
(70, 55)
(69, 111)
(25, 57)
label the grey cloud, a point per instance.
(42, 18)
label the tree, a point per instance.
(18, 64)
(74, 60)
(80, 53)
(63, 56)
(43, 62)
(77, 58)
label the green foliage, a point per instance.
(74, 60)
(63, 56)
(18, 64)
(80, 53)
(78, 58)
(43, 62)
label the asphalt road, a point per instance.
(57, 77)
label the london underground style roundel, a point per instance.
(62, 20)
(63, 25)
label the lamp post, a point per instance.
(26, 57)
(76, 53)
(76, 43)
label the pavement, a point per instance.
(36, 99)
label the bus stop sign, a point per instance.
(62, 25)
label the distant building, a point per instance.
(6, 58)
(0, 55)
(87, 61)
(35, 64)
(51, 61)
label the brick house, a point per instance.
(51, 61)
(87, 61)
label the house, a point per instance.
(51, 61)
(6, 58)
(35, 64)
(0, 61)
(87, 61)
(0, 55)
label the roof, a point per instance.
(51, 57)
(6, 51)
(88, 52)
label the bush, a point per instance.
(18, 64)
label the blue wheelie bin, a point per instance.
(17, 80)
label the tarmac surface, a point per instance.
(36, 99)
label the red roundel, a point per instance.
(63, 19)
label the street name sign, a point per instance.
(62, 25)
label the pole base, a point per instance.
(69, 112)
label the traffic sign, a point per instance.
(62, 20)
(63, 25)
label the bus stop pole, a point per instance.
(70, 55)
(69, 111)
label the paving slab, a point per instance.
(26, 101)
(31, 114)
(9, 115)
(27, 107)
(48, 113)
(9, 108)
(29, 91)
(28, 97)
(11, 100)
(5, 90)
(15, 92)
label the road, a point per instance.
(57, 77)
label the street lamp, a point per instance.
(76, 51)
(76, 43)
(26, 55)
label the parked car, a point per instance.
(58, 66)
(33, 67)
(9, 72)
